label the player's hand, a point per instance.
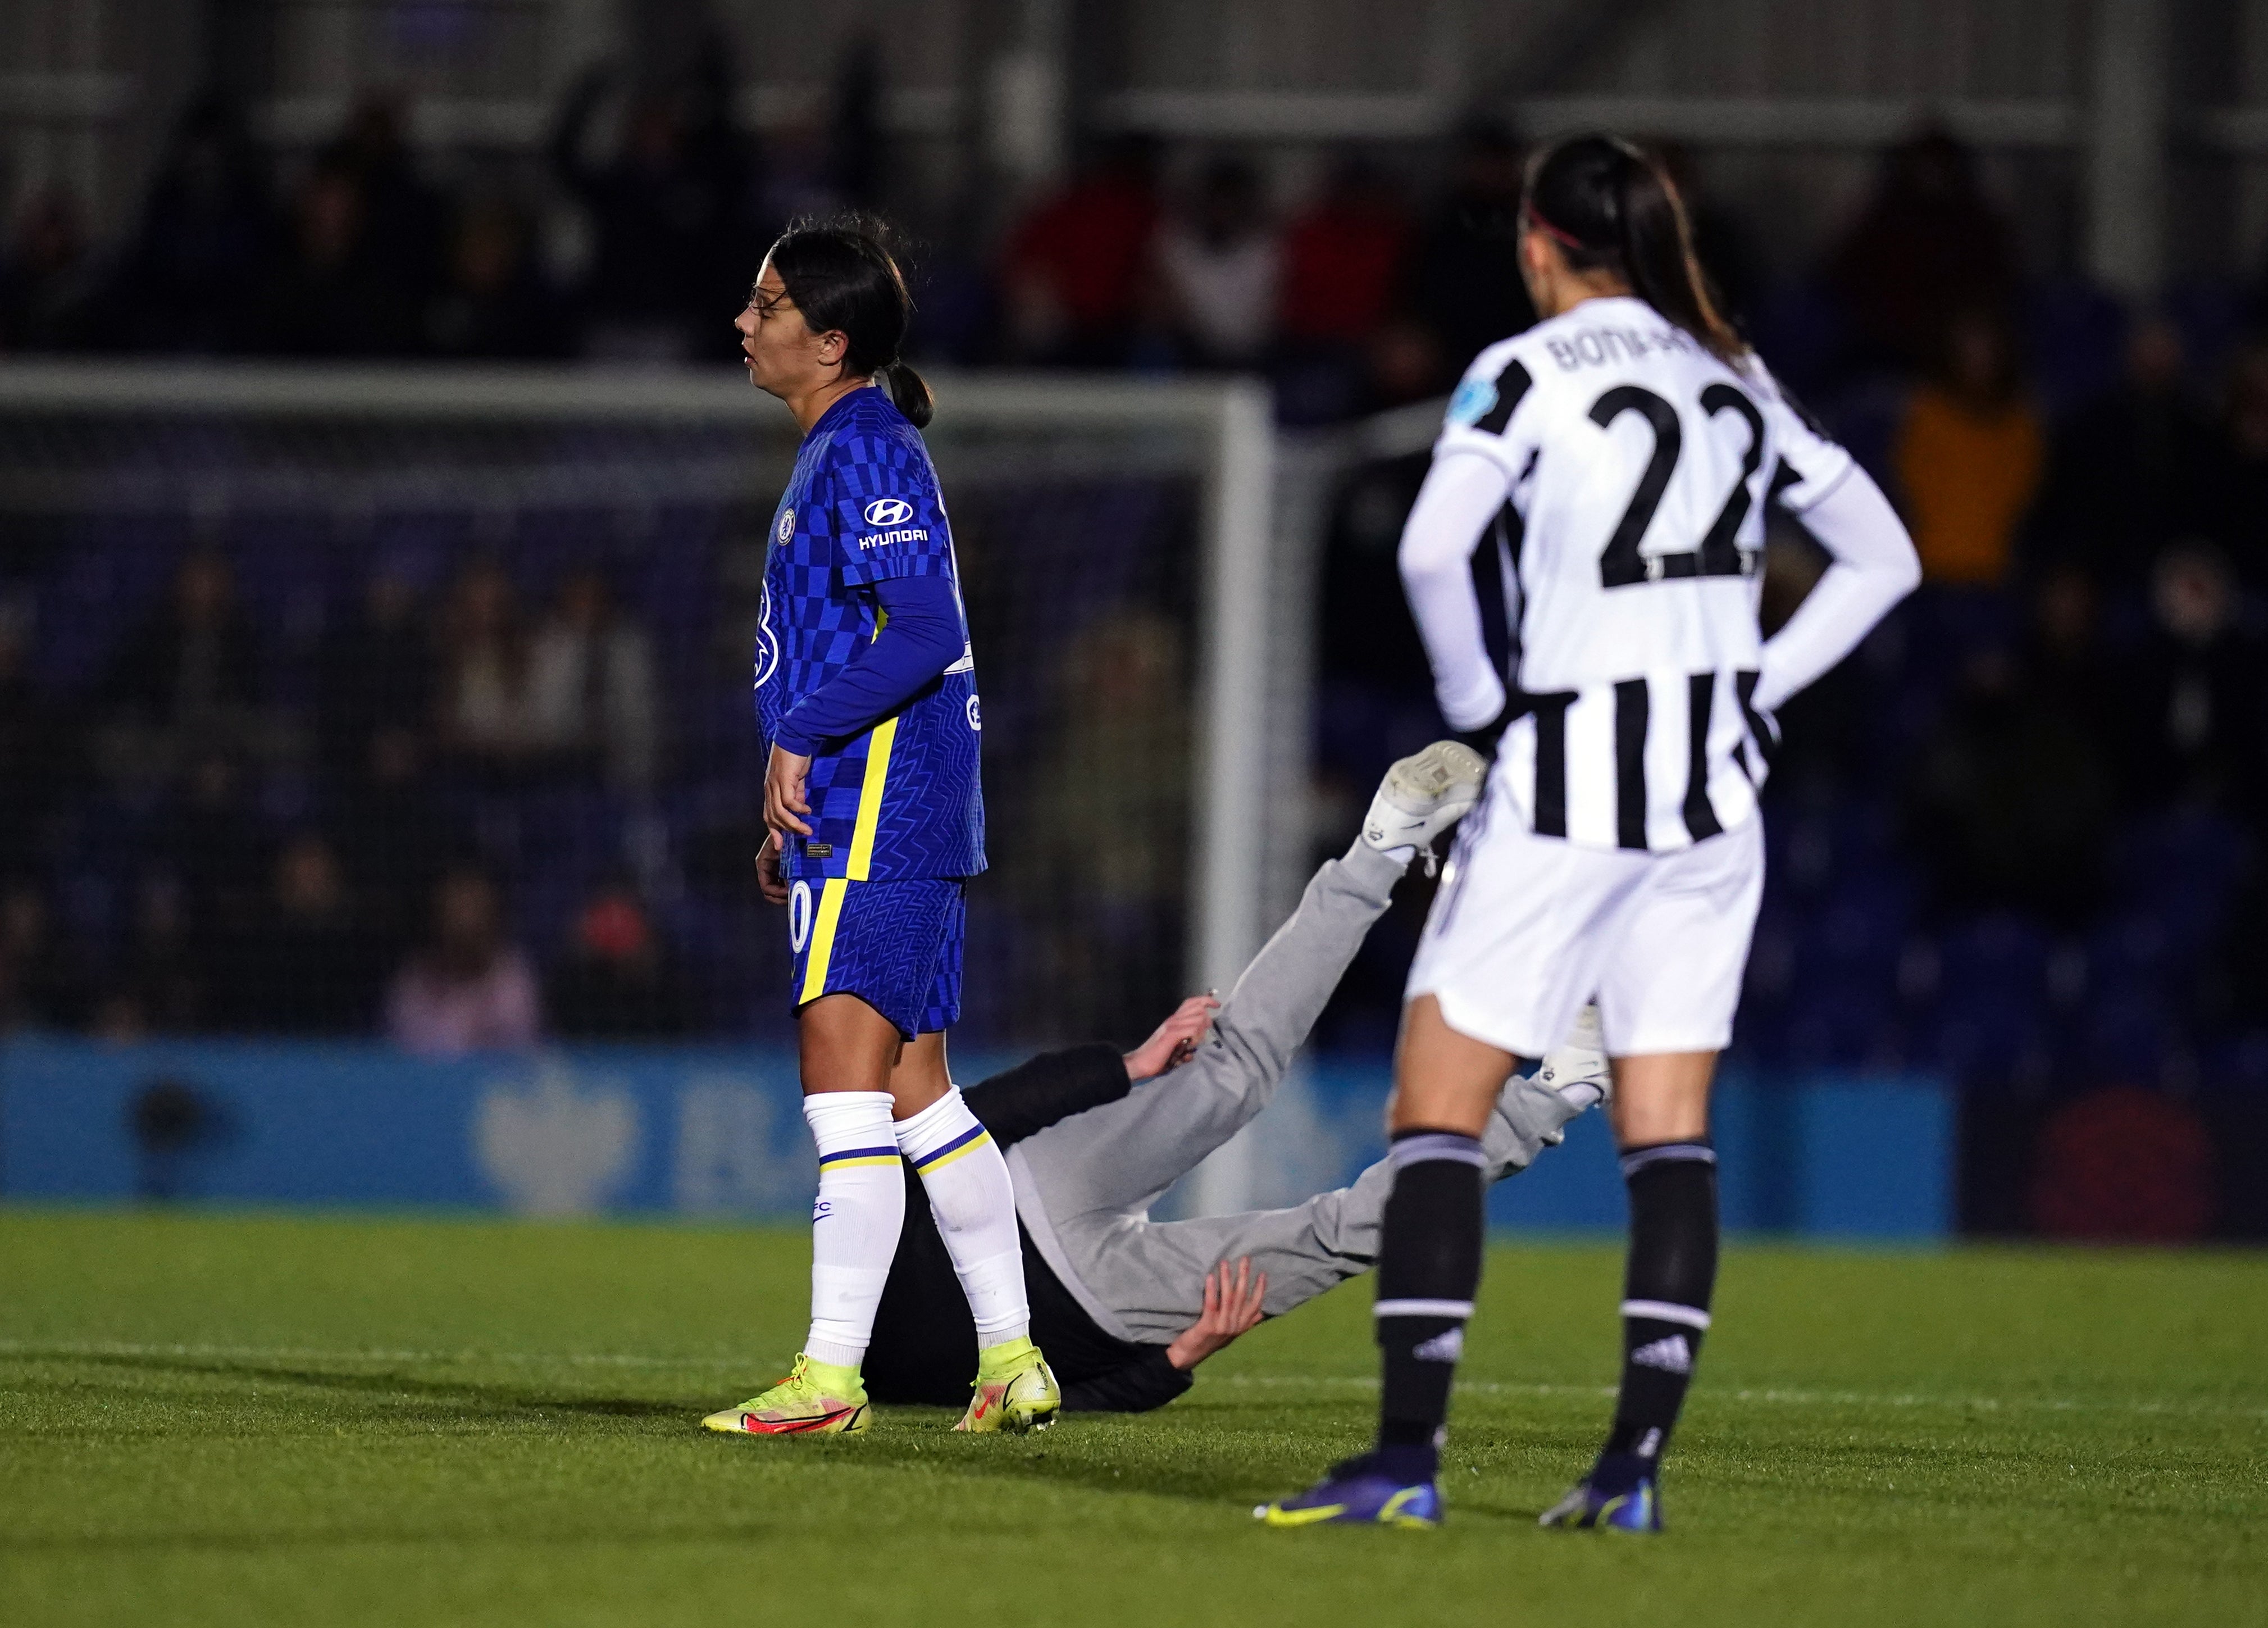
(1232, 1307)
(783, 804)
(1177, 1038)
(769, 882)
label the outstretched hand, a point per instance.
(1232, 1307)
(1177, 1038)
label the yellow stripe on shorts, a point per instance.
(822, 938)
(870, 798)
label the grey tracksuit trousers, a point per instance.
(1083, 1187)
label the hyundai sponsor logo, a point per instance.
(888, 512)
(884, 538)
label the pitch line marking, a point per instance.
(1798, 1398)
(288, 1353)
(37, 1350)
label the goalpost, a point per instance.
(1140, 576)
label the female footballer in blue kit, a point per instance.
(867, 688)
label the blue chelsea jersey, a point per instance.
(902, 799)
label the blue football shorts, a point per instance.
(895, 945)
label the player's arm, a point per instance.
(1147, 1383)
(1460, 497)
(1480, 457)
(905, 563)
(1040, 1092)
(1055, 1085)
(919, 638)
(1874, 567)
(1233, 1307)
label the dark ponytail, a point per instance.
(841, 277)
(1611, 207)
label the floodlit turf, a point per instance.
(284, 1419)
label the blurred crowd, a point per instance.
(2019, 838)
(477, 777)
(2065, 728)
(373, 904)
(357, 251)
(1360, 297)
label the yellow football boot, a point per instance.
(816, 1399)
(1015, 1390)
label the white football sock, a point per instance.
(974, 1204)
(855, 1225)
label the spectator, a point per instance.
(2068, 665)
(1928, 243)
(2235, 483)
(1219, 267)
(486, 714)
(168, 968)
(2201, 689)
(191, 278)
(374, 673)
(211, 841)
(495, 301)
(592, 699)
(395, 837)
(1464, 282)
(335, 295)
(1113, 811)
(857, 146)
(1344, 261)
(306, 965)
(1073, 268)
(2010, 804)
(43, 981)
(1368, 637)
(1404, 361)
(44, 277)
(192, 666)
(2124, 472)
(617, 980)
(676, 243)
(184, 684)
(402, 217)
(1967, 454)
(468, 989)
(34, 755)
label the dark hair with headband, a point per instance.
(841, 277)
(1611, 208)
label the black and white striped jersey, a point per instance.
(1626, 470)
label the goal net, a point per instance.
(304, 640)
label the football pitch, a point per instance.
(281, 1418)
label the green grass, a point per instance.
(279, 1418)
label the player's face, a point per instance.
(781, 353)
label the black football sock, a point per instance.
(1666, 1283)
(1429, 1267)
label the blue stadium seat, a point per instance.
(1990, 1016)
(2181, 867)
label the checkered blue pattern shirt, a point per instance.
(902, 799)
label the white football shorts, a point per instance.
(1526, 928)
